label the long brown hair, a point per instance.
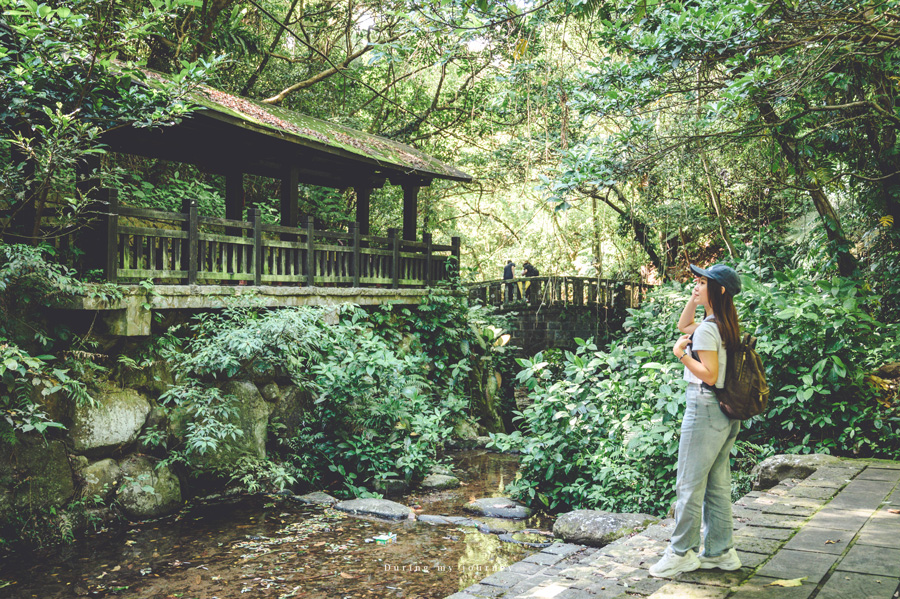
(722, 305)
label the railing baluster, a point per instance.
(310, 252)
(257, 246)
(395, 257)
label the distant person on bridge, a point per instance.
(703, 484)
(509, 272)
(528, 270)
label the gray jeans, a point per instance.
(703, 486)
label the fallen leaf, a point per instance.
(894, 511)
(319, 544)
(794, 582)
(345, 575)
(830, 542)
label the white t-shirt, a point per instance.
(707, 337)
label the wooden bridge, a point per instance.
(559, 291)
(551, 312)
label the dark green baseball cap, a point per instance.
(721, 274)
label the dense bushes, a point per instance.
(385, 389)
(604, 434)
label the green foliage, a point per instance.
(381, 407)
(604, 433)
(62, 87)
(28, 375)
(820, 343)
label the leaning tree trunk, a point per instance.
(833, 229)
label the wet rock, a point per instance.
(464, 434)
(441, 469)
(391, 486)
(316, 498)
(889, 371)
(434, 520)
(598, 528)
(380, 508)
(498, 507)
(100, 478)
(34, 474)
(289, 411)
(777, 468)
(115, 419)
(439, 482)
(153, 379)
(251, 417)
(148, 491)
(270, 392)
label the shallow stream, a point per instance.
(271, 546)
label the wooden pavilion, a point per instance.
(290, 263)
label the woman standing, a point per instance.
(703, 486)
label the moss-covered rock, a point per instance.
(100, 478)
(34, 474)
(149, 490)
(114, 420)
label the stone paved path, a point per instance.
(832, 528)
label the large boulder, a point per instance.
(153, 379)
(290, 410)
(379, 508)
(889, 371)
(100, 478)
(598, 528)
(391, 486)
(316, 498)
(251, 417)
(34, 474)
(498, 507)
(115, 418)
(149, 490)
(777, 468)
(439, 482)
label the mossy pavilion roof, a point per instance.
(231, 132)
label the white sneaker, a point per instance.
(673, 564)
(727, 561)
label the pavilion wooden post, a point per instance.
(290, 207)
(234, 206)
(310, 251)
(190, 256)
(395, 257)
(256, 219)
(410, 210)
(454, 253)
(110, 233)
(426, 237)
(363, 195)
(354, 231)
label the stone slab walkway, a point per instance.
(832, 529)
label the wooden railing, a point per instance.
(562, 290)
(191, 249)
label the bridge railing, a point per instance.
(186, 248)
(559, 290)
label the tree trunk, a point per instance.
(833, 229)
(717, 205)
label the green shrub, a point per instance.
(378, 411)
(604, 433)
(820, 342)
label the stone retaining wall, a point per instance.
(535, 330)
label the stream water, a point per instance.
(271, 546)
